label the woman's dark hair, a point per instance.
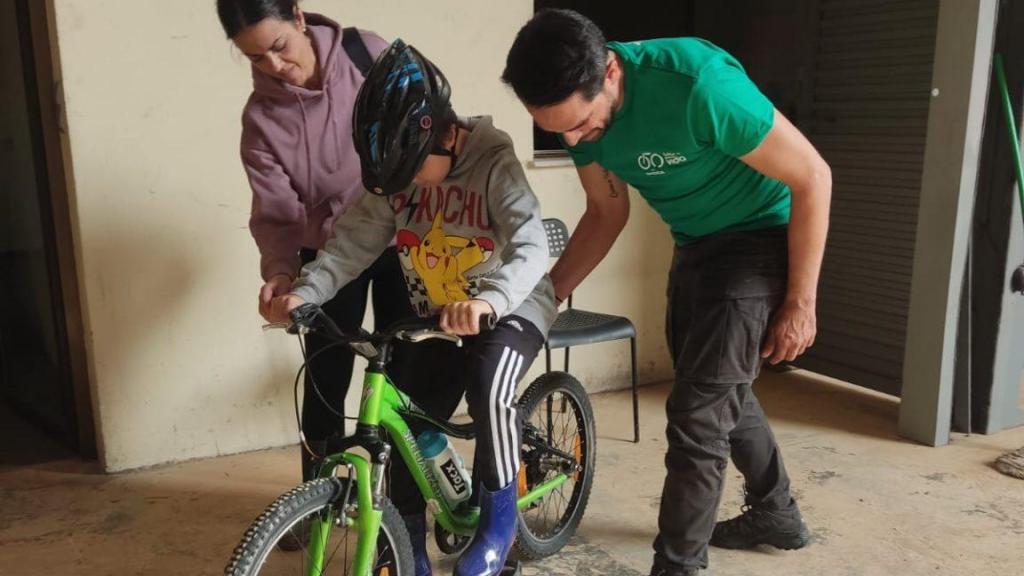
(555, 54)
(236, 15)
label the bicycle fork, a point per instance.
(369, 481)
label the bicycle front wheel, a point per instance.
(280, 541)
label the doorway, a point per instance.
(44, 403)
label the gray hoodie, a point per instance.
(478, 235)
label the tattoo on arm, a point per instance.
(611, 183)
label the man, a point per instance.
(746, 197)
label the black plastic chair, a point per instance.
(575, 327)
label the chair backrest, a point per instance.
(558, 236)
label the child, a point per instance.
(469, 235)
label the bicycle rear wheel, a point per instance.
(288, 521)
(558, 438)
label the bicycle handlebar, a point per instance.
(431, 330)
(307, 316)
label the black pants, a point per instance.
(721, 294)
(487, 368)
(332, 370)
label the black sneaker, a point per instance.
(758, 525)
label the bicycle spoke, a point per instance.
(337, 558)
(337, 546)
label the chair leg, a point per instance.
(636, 407)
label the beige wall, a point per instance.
(178, 364)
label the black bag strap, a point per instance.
(354, 46)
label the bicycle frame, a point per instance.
(381, 406)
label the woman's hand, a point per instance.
(463, 318)
(281, 306)
(278, 285)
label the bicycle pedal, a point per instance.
(512, 568)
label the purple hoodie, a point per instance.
(297, 151)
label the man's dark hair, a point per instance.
(236, 15)
(555, 54)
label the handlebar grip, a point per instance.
(304, 314)
(488, 321)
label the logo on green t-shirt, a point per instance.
(653, 162)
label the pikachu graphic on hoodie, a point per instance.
(476, 235)
(441, 261)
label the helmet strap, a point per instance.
(442, 151)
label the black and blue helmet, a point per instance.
(401, 115)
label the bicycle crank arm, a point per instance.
(531, 440)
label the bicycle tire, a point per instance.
(288, 510)
(530, 544)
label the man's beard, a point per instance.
(596, 134)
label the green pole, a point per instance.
(1011, 126)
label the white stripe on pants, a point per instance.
(502, 413)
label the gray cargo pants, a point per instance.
(722, 291)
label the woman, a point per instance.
(304, 172)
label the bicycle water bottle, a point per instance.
(446, 465)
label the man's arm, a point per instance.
(786, 155)
(603, 221)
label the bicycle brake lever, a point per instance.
(287, 327)
(425, 334)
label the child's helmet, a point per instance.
(400, 116)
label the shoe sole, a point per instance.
(783, 541)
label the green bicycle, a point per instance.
(347, 524)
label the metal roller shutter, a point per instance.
(872, 86)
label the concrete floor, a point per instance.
(875, 504)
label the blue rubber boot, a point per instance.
(416, 525)
(495, 533)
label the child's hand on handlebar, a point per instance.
(463, 318)
(281, 306)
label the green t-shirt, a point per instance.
(689, 111)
